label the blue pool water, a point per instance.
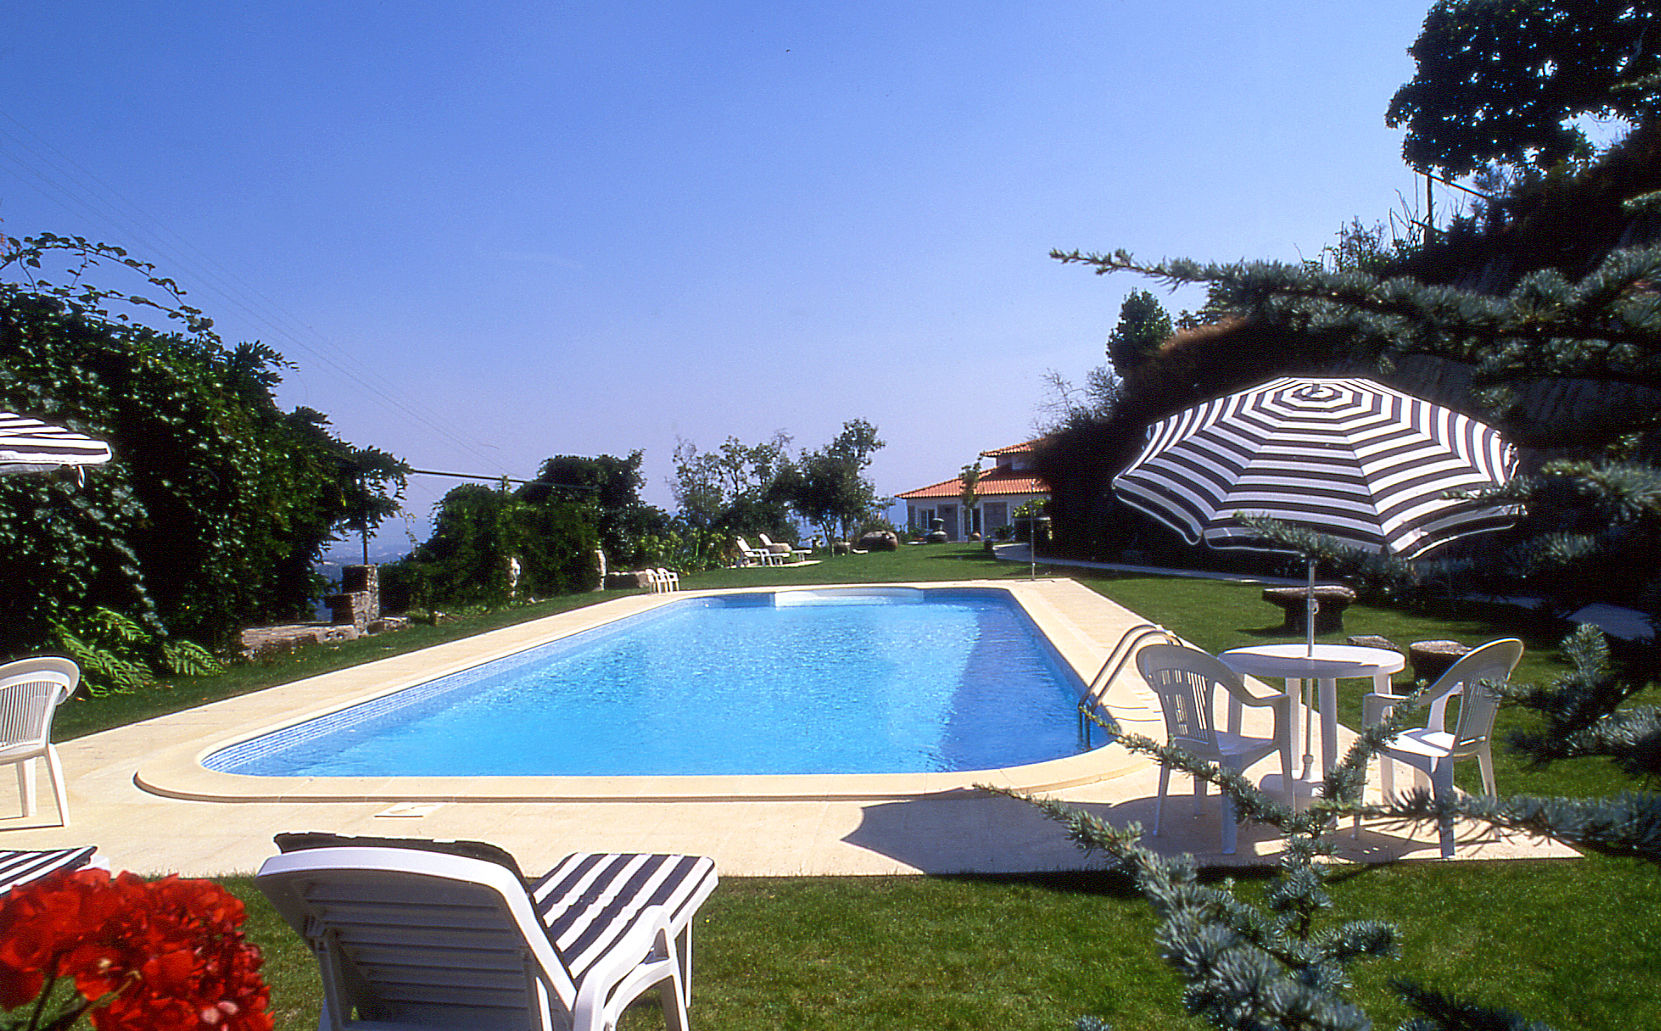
(833, 681)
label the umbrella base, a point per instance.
(1303, 788)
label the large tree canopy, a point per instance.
(217, 503)
(828, 487)
(1507, 80)
(735, 488)
(488, 545)
(612, 485)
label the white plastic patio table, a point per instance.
(1326, 665)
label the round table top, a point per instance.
(1329, 661)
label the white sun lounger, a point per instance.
(409, 937)
(757, 556)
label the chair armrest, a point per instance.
(644, 956)
(1375, 706)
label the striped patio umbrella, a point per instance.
(29, 446)
(1346, 457)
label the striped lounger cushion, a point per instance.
(21, 867)
(590, 899)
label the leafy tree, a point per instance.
(372, 486)
(1069, 406)
(477, 530)
(734, 488)
(1143, 326)
(217, 504)
(828, 488)
(613, 485)
(1508, 80)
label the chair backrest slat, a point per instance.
(1478, 705)
(30, 692)
(1186, 682)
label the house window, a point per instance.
(997, 514)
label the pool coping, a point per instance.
(177, 771)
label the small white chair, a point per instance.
(30, 692)
(1431, 750)
(664, 580)
(1186, 681)
(410, 938)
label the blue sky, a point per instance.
(492, 233)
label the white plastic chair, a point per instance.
(664, 580)
(1431, 750)
(408, 938)
(30, 692)
(1186, 681)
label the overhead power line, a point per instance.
(78, 189)
(505, 479)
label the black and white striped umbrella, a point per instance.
(29, 445)
(1351, 458)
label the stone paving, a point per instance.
(139, 793)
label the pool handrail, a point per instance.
(1091, 701)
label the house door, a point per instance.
(948, 515)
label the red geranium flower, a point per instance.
(160, 955)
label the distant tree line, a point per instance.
(491, 545)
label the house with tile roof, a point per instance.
(1005, 487)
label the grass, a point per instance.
(1576, 944)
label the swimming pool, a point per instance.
(822, 681)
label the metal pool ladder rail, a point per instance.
(1091, 702)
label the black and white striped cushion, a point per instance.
(22, 866)
(589, 900)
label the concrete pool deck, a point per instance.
(140, 793)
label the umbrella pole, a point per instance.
(1310, 606)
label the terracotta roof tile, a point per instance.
(1013, 449)
(993, 482)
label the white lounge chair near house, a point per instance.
(416, 934)
(749, 556)
(1186, 681)
(30, 692)
(790, 552)
(1431, 750)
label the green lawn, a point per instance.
(1576, 944)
